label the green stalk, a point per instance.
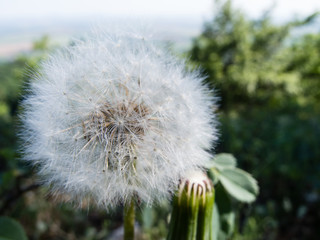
(128, 218)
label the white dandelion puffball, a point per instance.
(115, 117)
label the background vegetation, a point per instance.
(269, 85)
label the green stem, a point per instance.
(128, 218)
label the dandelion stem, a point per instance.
(128, 218)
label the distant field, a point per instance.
(15, 44)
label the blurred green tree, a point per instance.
(305, 59)
(269, 89)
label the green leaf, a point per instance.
(224, 160)
(148, 217)
(239, 184)
(10, 229)
(215, 223)
(226, 213)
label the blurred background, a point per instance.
(261, 57)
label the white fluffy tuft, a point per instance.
(115, 117)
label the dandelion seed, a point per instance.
(115, 117)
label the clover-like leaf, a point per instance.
(239, 184)
(224, 160)
(214, 174)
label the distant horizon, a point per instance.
(18, 37)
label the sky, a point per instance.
(24, 21)
(11, 10)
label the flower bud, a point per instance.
(193, 208)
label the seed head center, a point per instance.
(122, 123)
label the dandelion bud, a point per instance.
(115, 117)
(192, 208)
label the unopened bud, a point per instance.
(192, 208)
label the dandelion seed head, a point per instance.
(115, 117)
